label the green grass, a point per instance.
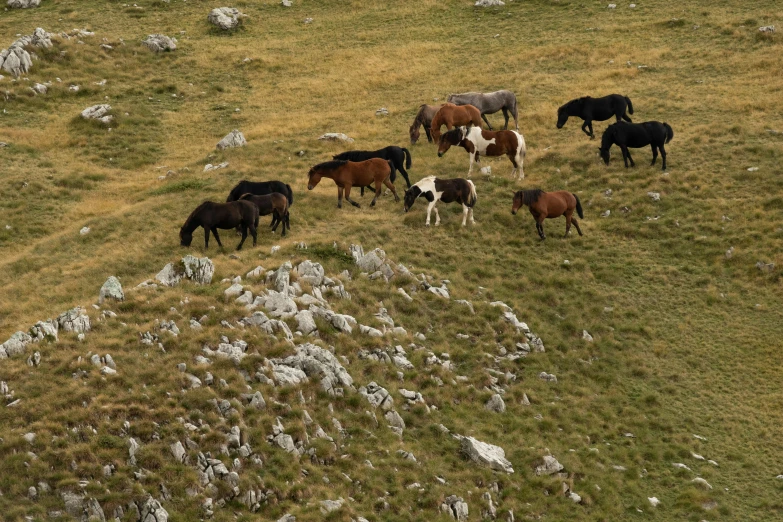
(686, 341)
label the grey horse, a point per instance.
(489, 103)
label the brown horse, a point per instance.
(478, 141)
(549, 205)
(275, 204)
(423, 118)
(452, 116)
(213, 216)
(347, 174)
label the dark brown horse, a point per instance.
(452, 116)
(347, 174)
(478, 141)
(549, 205)
(423, 118)
(213, 216)
(275, 204)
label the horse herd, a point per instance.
(462, 115)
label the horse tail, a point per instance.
(407, 158)
(669, 132)
(630, 105)
(578, 206)
(290, 195)
(473, 197)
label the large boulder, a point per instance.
(315, 362)
(370, 262)
(111, 289)
(198, 270)
(279, 304)
(231, 140)
(159, 43)
(486, 454)
(44, 330)
(225, 18)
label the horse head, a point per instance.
(604, 153)
(562, 116)
(449, 138)
(414, 133)
(410, 197)
(314, 176)
(517, 202)
(185, 238)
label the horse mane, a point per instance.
(530, 196)
(454, 136)
(193, 214)
(575, 101)
(330, 165)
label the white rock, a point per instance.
(310, 272)
(495, 404)
(234, 290)
(586, 336)
(489, 3)
(96, 112)
(335, 136)
(377, 395)
(225, 18)
(315, 362)
(198, 270)
(767, 29)
(111, 289)
(700, 481)
(655, 196)
(486, 454)
(15, 345)
(160, 43)
(23, 4)
(286, 3)
(653, 501)
(549, 377)
(327, 506)
(404, 294)
(231, 140)
(74, 320)
(84, 231)
(455, 507)
(611, 6)
(210, 167)
(549, 467)
(305, 322)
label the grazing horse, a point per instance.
(213, 216)
(598, 109)
(275, 204)
(635, 135)
(423, 118)
(399, 157)
(347, 174)
(490, 143)
(446, 190)
(261, 188)
(452, 116)
(549, 205)
(489, 103)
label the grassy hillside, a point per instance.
(686, 340)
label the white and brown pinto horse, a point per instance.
(478, 141)
(446, 190)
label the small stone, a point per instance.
(655, 196)
(586, 336)
(653, 501)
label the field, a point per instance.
(686, 340)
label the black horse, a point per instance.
(635, 135)
(213, 216)
(598, 109)
(260, 188)
(398, 157)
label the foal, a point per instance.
(549, 205)
(447, 190)
(275, 204)
(347, 174)
(635, 135)
(213, 216)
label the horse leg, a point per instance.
(437, 216)
(465, 210)
(339, 197)
(576, 224)
(663, 155)
(624, 150)
(348, 197)
(515, 170)
(584, 128)
(217, 237)
(206, 237)
(390, 185)
(378, 185)
(540, 218)
(472, 159)
(429, 135)
(254, 233)
(629, 157)
(655, 154)
(405, 175)
(568, 223)
(484, 117)
(472, 221)
(244, 236)
(505, 115)
(429, 212)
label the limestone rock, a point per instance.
(23, 4)
(455, 507)
(327, 506)
(98, 112)
(489, 3)
(152, 511)
(15, 345)
(74, 320)
(315, 362)
(225, 18)
(111, 289)
(159, 43)
(270, 326)
(655, 196)
(495, 404)
(310, 272)
(305, 322)
(198, 270)
(394, 419)
(231, 140)
(549, 466)
(377, 395)
(335, 136)
(279, 304)
(486, 454)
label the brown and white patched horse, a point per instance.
(446, 190)
(347, 174)
(452, 116)
(549, 205)
(478, 141)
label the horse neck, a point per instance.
(194, 219)
(607, 138)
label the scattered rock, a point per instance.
(377, 396)
(210, 167)
(23, 4)
(549, 377)
(383, 111)
(485, 454)
(549, 466)
(653, 501)
(655, 196)
(231, 140)
(335, 136)
(314, 362)
(286, 3)
(767, 29)
(486, 171)
(111, 289)
(453, 505)
(160, 43)
(84, 231)
(489, 3)
(198, 270)
(327, 506)
(98, 112)
(766, 268)
(74, 320)
(586, 336)
(701, 482)
(225, 18)
(495, 404)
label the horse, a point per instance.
(490, 143)
(347, 174)
(261, 188)
(489, 103)
(423, 118)
(635, 135)
(598, 109)
(549, 205)
(213, 216)
(398, 157)
(275, 204)
(446, 190)
(454, 116)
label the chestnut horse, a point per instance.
(347, 174)
(452, 116)
(213, 216)
(549, 205)
(478, 141)
(275, 204)
(423, 118)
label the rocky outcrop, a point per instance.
(309, 272)
(16, 60)
(231, 140)
(317, 363)
(15, 345)
(225, 18)
(198, 270)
